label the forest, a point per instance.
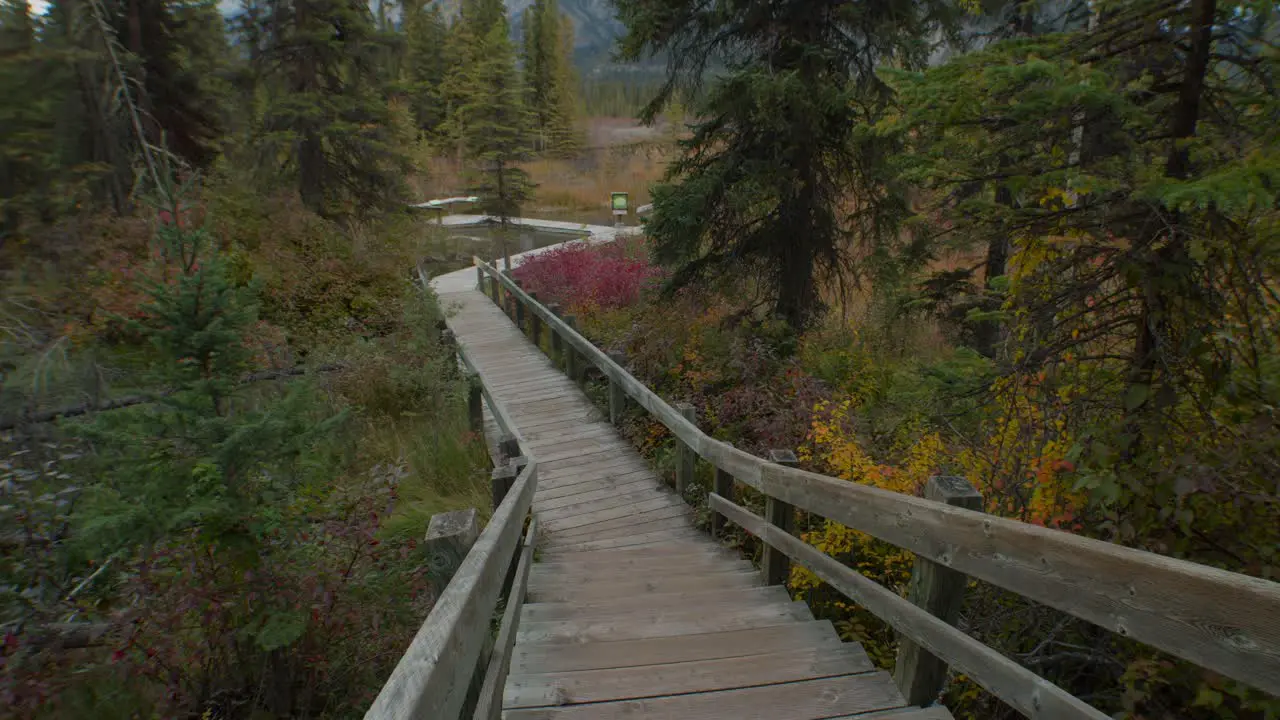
(1034, 244)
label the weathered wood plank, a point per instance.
(666, 512)
(719, 598)
(1024, 690)
(688, 677)
(663, 622)
(681, 522)
(631, 540)
(653, 502)
(556, 658)
(804, 700)
(620, 499)
(940, 591)
(647, 586)
(599, 490)
(431, 678)
(571, 574)
(1220, 620)
(659, 548)
(489, 704)
(937, 712)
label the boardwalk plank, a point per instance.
(631, 612)
(688, 677)
(807, 700)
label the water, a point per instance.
(486, 241)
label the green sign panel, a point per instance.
(619, 201)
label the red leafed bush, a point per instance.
(582, 276)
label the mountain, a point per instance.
(595, 30)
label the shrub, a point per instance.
(587, 277)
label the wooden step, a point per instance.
(665, 518)
(662, 622)
(718, 600)
(805, 700)
(936, 712)
(557, 658)
(635, 572)
(663, 564)
(630, 683)
(698, 545)
(651, 505)
(550, 591)
(633, 541)
(598, 483)
(606, 499)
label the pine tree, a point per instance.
(28, 153)
(326, 112)
(548, 70)
(784, 143)
(170, 42)
(495, 128)
(206, 456)
(425, 65)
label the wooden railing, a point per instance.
(1223, 621)
(454, 667)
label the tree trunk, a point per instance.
(1169, 267)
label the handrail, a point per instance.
(434, 675)
(1223, 621)
(500, 414)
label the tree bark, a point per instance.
(1169, 266)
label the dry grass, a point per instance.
(579, 185)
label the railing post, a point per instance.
(504, 476)
(920, 675)
(450, 344)
(722, 485)
(480, 278)
(449, 537)
(496, 288)
(500, 481)
(775, 564)
(557, 342)
(475, 400)
(535, 324)
(507, 297)
(617, 395)
(684, 454)
(571, 358)
(519, 308)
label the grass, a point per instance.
(580, 185)
(446, 468)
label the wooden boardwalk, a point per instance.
(632, 612)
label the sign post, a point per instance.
(618, 201)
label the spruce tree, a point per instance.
(28, 153)
(425, 65)
(326, 113)
(207, 457)
(549, 76)
(495, 125)
(1128, 180)
(784, 143)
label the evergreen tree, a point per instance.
(205, 456)
(784, 143)
(425, 65)
(481, 16)
(29, 162)
(495, 128)
(170, 44)
(325, 112)
(549, 76)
